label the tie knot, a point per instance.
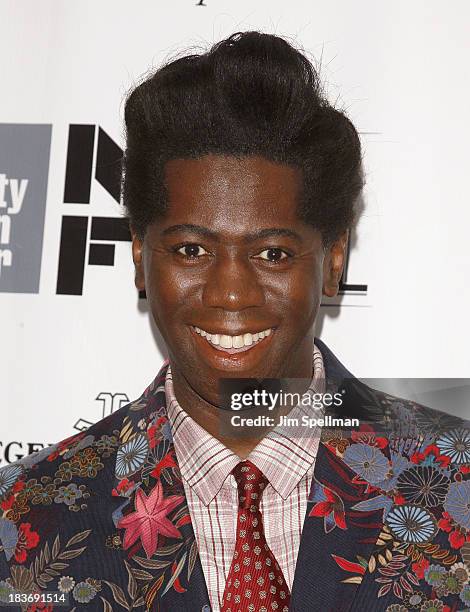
(251, 483)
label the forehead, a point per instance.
(239, 191)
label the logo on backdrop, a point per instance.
(86, 239)
(24, 168)
(108, 403)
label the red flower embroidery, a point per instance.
(445, 523)
(123, 487)
(27, 539)
(420, 567)
(167, 461)
(152, 436)
(332, 509)
(155, 429)
(432, 449)
(7, 503)
(456, 539)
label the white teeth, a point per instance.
(238, 342)
(227, 342)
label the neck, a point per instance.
(208, 415)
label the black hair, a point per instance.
(250, 94)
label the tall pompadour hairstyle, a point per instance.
(251, 94)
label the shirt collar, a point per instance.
(205, 463)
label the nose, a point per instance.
(232, 284)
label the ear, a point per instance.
(137, 256)
(333, 265)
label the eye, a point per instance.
(191, 251)
(273, 255)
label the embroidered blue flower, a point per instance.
(399, 464)
(367, 461)
(457, 503)
(435, 574)
(131, 456)
(411, 524)
(8, 476)
(456, 445)
(68, 494)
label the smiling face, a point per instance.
(229, 260)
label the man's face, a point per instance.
(229, 260)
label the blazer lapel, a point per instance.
(344, 518)
(151, 511)
(337, 540)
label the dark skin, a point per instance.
(221, 275)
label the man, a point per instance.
(240, 182)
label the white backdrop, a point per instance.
(399, 68)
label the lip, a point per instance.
(229, 358)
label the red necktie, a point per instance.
(255, 582)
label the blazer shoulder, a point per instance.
(408, 418)
(57, 518)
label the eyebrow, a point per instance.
(250, 237)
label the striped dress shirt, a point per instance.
(286, 459)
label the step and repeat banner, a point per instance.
(76, 339)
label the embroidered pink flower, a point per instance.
(150, 519)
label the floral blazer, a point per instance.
(100, 521)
